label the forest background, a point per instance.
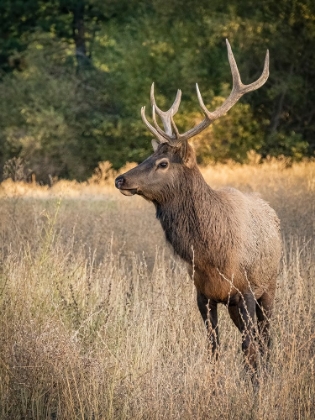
(74, 75)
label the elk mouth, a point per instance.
(128, 192)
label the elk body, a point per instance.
(230, 240)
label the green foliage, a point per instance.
(74, 76)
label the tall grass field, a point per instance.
(98, 317)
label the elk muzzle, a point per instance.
(120, 183)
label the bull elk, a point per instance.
(230, 240)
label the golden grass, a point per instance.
(99, 319)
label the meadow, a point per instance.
(98, 318)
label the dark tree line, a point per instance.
(74, 74)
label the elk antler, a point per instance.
(238, 90)
(166, 117)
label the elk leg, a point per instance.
(235, 315)
(209, 313)
(263, 312)
(247, 309)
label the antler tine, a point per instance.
(177, 135)
(175, 105)
(150, 127)
(238, 90)
(237, 83)
(166, 136)
(165, 116)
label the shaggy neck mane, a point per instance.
(195, 232)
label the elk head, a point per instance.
(173, 156)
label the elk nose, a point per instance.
(119, 181)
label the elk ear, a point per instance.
(189, 156)
(155, 145)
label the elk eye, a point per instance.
(163, 164)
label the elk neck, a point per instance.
(194, 219)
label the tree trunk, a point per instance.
(78, 30)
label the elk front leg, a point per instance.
(242, 313)
(263, 312)
(209, 313)
(247, 309)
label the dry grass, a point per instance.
(99, 320)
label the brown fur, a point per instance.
(230, 240)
